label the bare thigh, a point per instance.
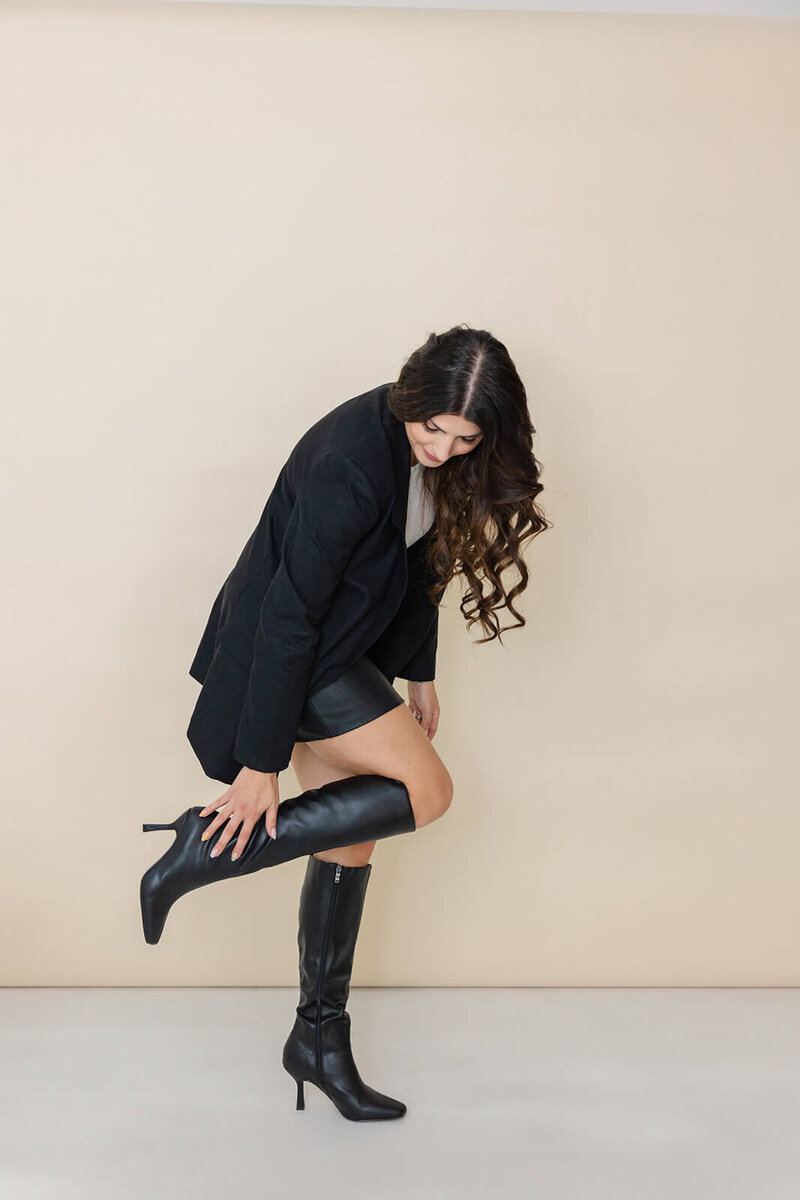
(314, 772)
(393, 745)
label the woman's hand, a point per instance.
(251, 794)
(422, 699)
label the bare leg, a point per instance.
(393, 745)
(312, 771)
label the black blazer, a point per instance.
(324, 578)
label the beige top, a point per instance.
(419, 512)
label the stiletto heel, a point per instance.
(300, 1098)
(149, 828)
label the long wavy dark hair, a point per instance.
(484, 501)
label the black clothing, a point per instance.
(324, 578)
(359, 695)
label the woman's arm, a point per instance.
(422, 666)
(420, 672)
(336, 506)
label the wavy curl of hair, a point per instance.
(484, 501)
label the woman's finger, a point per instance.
(211, 829)
(216, 805)
(230, 829)
(243, 839)
(271, 820)
(216, 824)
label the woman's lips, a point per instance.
(430, 456)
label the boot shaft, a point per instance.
(329, 919)
(318, 1048)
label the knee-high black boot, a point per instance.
(318, 1048)
(361, 808)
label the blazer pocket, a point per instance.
(215, 719)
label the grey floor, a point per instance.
(559, 1093)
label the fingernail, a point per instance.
(214, 853)
(204, 838)
(234, 856)
(273, 833)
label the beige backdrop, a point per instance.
(220, 221)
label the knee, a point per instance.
(431, 797)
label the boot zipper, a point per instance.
(322, 966)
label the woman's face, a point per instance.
(438, 438)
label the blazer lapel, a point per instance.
(401, 458)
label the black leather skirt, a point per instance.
(356, 697)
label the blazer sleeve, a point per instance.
(422, 666)
(336, 506)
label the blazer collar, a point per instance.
(401, 459)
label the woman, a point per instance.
(380, 504)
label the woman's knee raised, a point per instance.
(431, 796)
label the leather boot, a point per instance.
(361, 808)
(318, 1048)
